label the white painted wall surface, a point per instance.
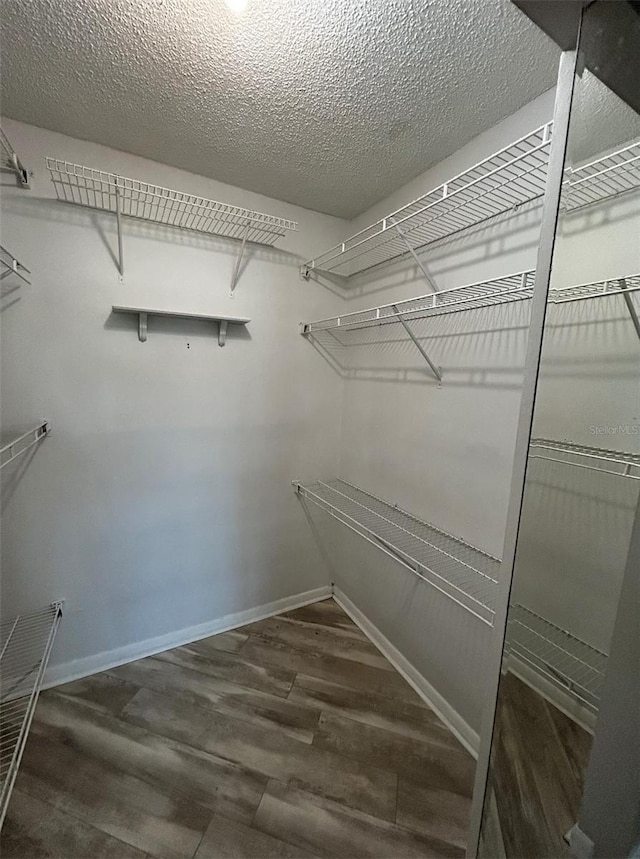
(162, 498)
(445, 454)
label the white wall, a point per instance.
(162, 499)
(444, 453)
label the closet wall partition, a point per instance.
(158, 505)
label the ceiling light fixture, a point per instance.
(236, 6)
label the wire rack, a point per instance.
(10, 265)
(487, 293)
(22, 443)
(602, 178)
(110, 192)
(607, 461)
(498, 184)
(562, 658)
(25, 646)
(10, 161)
(455, 568)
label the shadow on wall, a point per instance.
(483, 243)
(104, 223)
(192, 329)
(479, 348)
(575, 533)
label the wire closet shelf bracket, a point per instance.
(132, 198)
(488, 293)
(25, 646)
(10, 161)
(10, 265)
(456, 569)
(24, 442)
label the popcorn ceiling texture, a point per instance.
(329, 104)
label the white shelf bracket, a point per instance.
(630, 306)
(142, 327)
(437, 371)
(414, 255)
(222, 332)
(236, 269)
(120, 249)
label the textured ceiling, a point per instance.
(330, 104)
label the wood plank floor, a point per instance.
(290, 737)
(540, 758)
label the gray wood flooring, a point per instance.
(540, 757)
(290, 737)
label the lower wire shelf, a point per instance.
(25, 646)
(560, 657)
(456, 569)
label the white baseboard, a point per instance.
(456, 724)
(77, 668)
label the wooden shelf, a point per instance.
(144, 312)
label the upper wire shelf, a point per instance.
(98, 189)
(604, 460)
(602, 178)
(10, 161)
(501, 183)
(25, 646)
(458, 570)
(10, 265)
(563, 659)
(17, 446)
(498, 184)
(487, 293)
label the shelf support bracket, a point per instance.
(142, 327)
(119, 225)
(415, 256)
(630, 306)
(437, 372)
(236, 269)
(222, 332)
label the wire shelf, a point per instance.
(10, 161)
(110, 192)
(456, 569)
(498, 184)
(487, 293)
(17, 446)
(25, 646)
(10, 265)
(606, 461)
(562, 658)
(611, 176)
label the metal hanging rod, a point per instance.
(456, 569)
(10, 265)
(510, 177)
(501, 183)
(25, 646)
(10, 161)
(23, 443)
(616, 462)
(559, 656)
(131, 198)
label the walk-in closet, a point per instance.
(320, 429)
